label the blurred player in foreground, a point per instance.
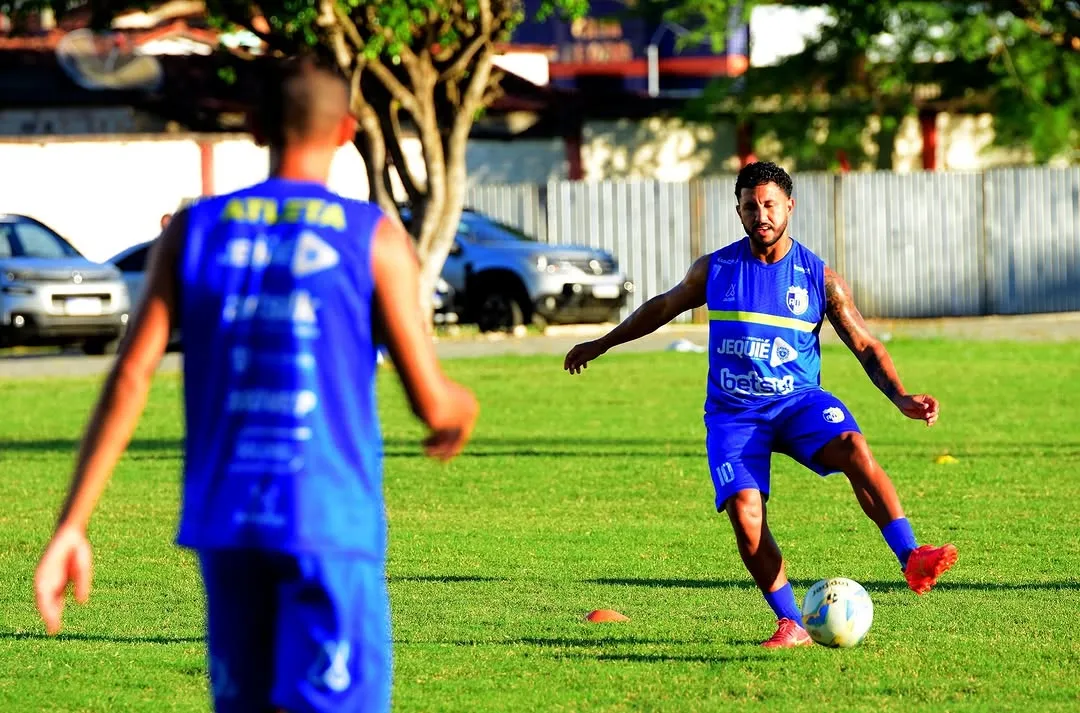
(767, 296)
(279, 290)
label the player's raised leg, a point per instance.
(850, 454)
(819, 432)
(922, 565)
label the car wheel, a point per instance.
(499, 312)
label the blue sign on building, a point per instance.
(610, 49)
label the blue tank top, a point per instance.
(283, 447)
(764, 322)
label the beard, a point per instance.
(770, 238)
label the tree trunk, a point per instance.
(436, 199)
(429, 276)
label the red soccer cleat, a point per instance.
(789, 634)
(925, 564)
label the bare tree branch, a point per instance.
(435, 161)
(398, 90)
(327, 20)
(462, 62)
(393, 135)
(388, 182)
(453, 92)
(374, 149)
(458, 136)
(494, 88)
(472, 101)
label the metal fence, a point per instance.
(1005, 241)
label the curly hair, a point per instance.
(758, 174)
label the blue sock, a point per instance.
(783, 604)
(900, 538)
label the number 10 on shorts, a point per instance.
(725, 473)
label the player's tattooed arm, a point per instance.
(871, 353)
(852, 330)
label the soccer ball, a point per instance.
(837, 612)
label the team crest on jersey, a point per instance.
(798, 299)
(782, 353)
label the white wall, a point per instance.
(668, 149)
(102, 196)
(523, 161)
(106, 195)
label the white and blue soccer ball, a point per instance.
(837, 612)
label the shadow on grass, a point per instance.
(560, 447)
(555, 446)
(546, 643)
(668, 658)
(571, 447)
(104, 638)
(587, 642)
(656, 657)
(69, 445)
(554, 453)
(544, 447)
(444, 578)
(870, 586)
(576, 648)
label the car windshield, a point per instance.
(132, 259)
(489, 230)
(25, 239)
(482, 228)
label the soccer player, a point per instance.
(279, 289)
(767, 297)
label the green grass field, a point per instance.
(592, 492)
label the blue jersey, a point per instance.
(283, 446)
(764, 322)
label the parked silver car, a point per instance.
(50, 294)
(132, 264)
(503, 278)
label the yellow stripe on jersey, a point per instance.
(798, 325)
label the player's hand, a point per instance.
(66, 559)
(448, 441)
(921, 407)
(579, 357)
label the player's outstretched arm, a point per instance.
(871, 353)
(67, 557)
(647, 318)
(447, 408)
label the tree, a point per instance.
(877, 61)
(428, 64)
(420, 65)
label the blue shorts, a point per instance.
(302, 633)
(740, 444)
